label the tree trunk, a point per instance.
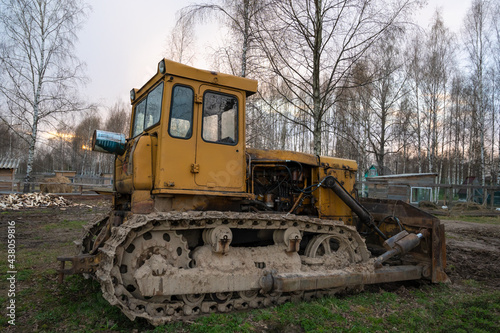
(317, 136)
(316, 72)
(29, 165)
(246, 34)
(419, 131)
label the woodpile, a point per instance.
(31, 200)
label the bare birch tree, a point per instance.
(438, 57)
(415, 64)
(181, 40)
(458, 128)
(118, 120)
(84, 159)
(495, 51)
(312, 45)
(475, 37)
(387, 91)
(39, 70)
(240, 16)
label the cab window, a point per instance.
(181, 112)
(148, 111)
(220, 118)
(140, 111)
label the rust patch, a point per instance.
(142, 203)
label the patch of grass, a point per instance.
(41, 259)
(75, 225)
(77, 306)
(475, 314)
(78, 297)
(219, 323)
(51, 226)
(29, 211)
(24, 275)
(472, 283)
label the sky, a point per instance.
(122, 41)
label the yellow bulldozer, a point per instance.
(201, 223)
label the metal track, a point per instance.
(161, 309)
(91, 232)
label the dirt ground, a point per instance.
(473, 251)
(34, 225)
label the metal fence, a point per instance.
(441, 194)
(77, 185)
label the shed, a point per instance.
(408, 187)
(8, 167)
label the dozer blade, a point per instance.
(414, 220)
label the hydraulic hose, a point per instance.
(363, 214)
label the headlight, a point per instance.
(161, 66)
(132, 95)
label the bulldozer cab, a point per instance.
(193, 125)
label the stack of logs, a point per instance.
(30, 200)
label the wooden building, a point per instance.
(410, 187)
(8, 167)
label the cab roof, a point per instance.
(180, 70)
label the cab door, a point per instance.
(220, 153)
(178, 144)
